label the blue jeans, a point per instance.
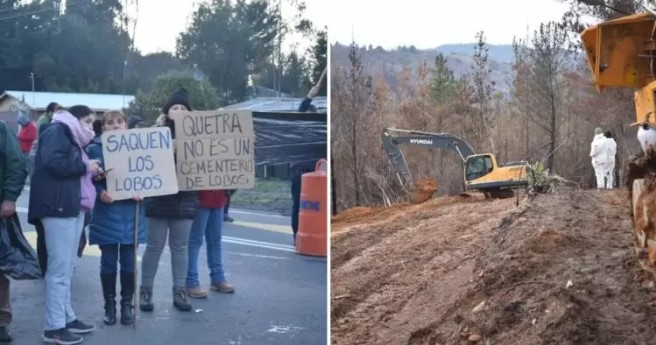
(208, 222)
(110, 255)
(62, 240)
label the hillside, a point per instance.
(459, 59)
(555, 269)
(377, 60)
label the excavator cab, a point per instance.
(483, 173)
(478, 166)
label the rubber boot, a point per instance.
(146, 298)
(180, 299)
(127, 293)
(108, 281)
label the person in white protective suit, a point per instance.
(610, 162)
(599, 155)
(646, 136)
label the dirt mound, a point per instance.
(559, 269)
(370, 217)
(423, 190)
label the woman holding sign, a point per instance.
(61, 193)
(172, 216)
(112, 229)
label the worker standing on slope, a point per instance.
(599, 155)
(610, 162)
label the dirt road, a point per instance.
(557, 269)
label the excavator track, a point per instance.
(498, 193)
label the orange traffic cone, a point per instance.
(312, 237)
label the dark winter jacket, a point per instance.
(113, 223)
(13, 168)
(182, 205)
(55, 190)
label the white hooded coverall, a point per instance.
(599, 154)
(610, 162)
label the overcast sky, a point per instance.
(161, 21)
(428, 24)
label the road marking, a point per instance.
(259, 214)
(258, 244)
(269, 227)
(262, 226)
(284, 329)
(260, 256)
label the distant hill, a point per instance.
(459, 59)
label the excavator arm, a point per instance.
(393, 138)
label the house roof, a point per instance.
(275, 104)
(95, 101)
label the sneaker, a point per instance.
(61, 336)
(78, 327)
(223, 287)
(196, 292)
(228, 219)
(5, 337)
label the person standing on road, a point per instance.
(168, 216)
(41, 251)
(610, 162)
(26, 137)
(599, 155)
(208, 222)
(13, 172)
(46, 117)
(61, 193)
(228, 195)
(112, 229)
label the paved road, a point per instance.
(281, 296)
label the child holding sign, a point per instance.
(112, 229)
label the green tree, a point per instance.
(202, 95)
(295, 79)
(230, 40)
(443, 84)
(319, 61)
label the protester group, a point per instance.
(63, 153)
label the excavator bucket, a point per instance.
(619, 51)
(423, 190)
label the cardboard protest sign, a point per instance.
(215, 149)
(139, 162)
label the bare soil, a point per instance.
(555, 269)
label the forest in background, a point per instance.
(546, 112)
(88, 47)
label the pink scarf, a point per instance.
(83, 136)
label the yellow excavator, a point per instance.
(622, 53)
(481, 171)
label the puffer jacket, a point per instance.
(55, 189)
(113, 223)
(182, 205)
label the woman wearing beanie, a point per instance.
(62, 192)
(172, 216)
